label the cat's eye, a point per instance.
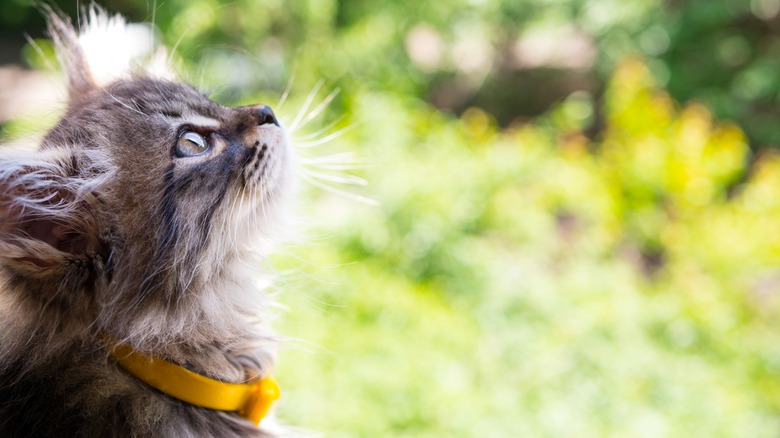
(190, 144)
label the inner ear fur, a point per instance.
(46, 211)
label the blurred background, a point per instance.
(570, 221)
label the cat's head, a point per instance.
(145, 187)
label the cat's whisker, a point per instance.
(319, 108)
(347, 162)
(326, 139)
(176, 47)
(310, 347)
(317, 133)
(335, 166)
(344, 193)
(296, 138)
(152, 42)
(341, 179)
(306, 104)
(286, 93)
(202, 74)
(39, 51)
(337, 158)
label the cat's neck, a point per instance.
(218, 328)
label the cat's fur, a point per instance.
(105, 232)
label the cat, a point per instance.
(137, 222)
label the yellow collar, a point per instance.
(251, 400)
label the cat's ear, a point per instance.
(70, 54)
(45, 212)
(105, 48)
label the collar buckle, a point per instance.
(259, 401)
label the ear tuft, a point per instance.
(70, 54)
(106, 48)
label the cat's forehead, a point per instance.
(141, 111)
(155, 96)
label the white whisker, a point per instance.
(306, 104)
(320, 108)
(39, 51)
(339, 192)
(341, 179)
(286, 92)
(339, 158)
(152, 42)
(327, 138)
(337, 166)
(176, 46)
(319, 132)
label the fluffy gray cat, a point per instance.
(137, 222)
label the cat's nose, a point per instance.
(265, 115)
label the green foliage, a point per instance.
(723, 53)
(530, 282)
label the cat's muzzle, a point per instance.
(268, 152)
